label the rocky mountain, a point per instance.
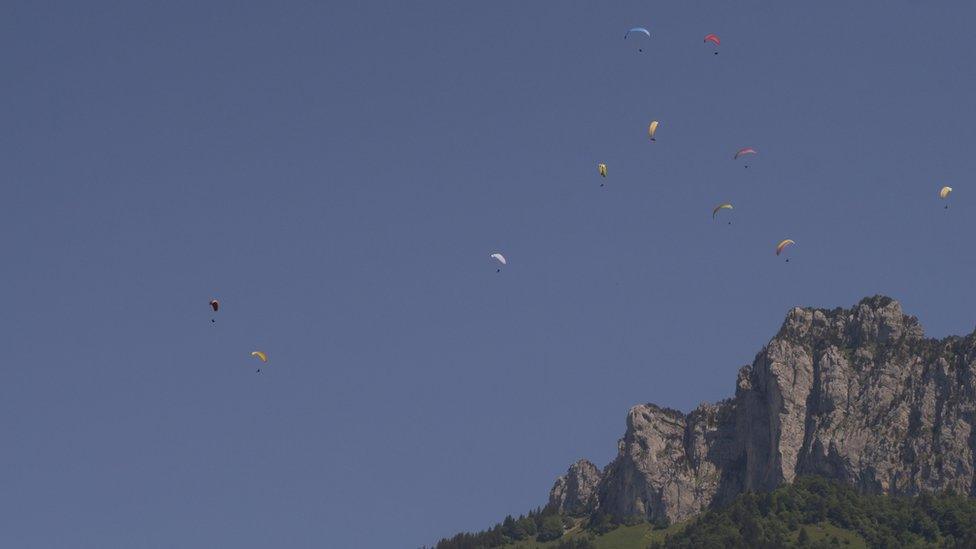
(857, 395)
(575, 492)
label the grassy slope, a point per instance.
(641, 535)
(624, 537)
(825, 530)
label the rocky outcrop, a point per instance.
(858, 395)
(665, 467)
(573, 493)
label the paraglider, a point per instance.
(500, 259)
(260, 356)
(745, 151)
(639, 30)
(652, 129)
(714, 39)
(944, 194)
(782, 245)
(603, 171)
(215, 305)
(725, 206)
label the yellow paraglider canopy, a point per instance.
(726, 206)
(652, 129)
(783, 244)
(603, 169)
(263, 357)
(944, 193)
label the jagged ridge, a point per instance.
(858, 395)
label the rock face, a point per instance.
(857, 395)
(574, 492)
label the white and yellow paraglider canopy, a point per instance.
(782, 245)
(720, 207)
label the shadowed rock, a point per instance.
(573, 493)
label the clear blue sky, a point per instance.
(337, 173)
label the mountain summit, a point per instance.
(857, 395)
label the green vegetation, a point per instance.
(538, 526)
(575, 534)
(812, 512)
(622, 537)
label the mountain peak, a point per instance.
(878, 319)
(858, 395)
(574, 492)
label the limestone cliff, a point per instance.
(574, 492)
(858, 395)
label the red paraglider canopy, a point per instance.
(744, 151)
